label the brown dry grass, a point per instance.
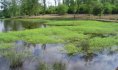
(77, 16)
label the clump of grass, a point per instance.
(101, 43)
(16, 59)
(6, 45)
(71, 49)
(53, 66)
(59, 66)
(42, 66)
(7, 37)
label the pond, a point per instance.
(53, 54)
(29, 56)
(13, 25)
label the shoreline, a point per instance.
(104, 18)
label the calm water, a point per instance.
(51, 53)
(8, 25)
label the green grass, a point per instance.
(4, 46)
(97, 34)
(47, 35)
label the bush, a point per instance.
(115, 10)
(62, 9)
(1, 14)
(98, 9)
(51, 10)
(73, 8)
(82, 9)
(108, 8)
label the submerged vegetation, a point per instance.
(54, 66)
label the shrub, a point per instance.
(51, 10)
(108, 8)
(82, 9)
(115, 10)
(98, 9)
(62, 9)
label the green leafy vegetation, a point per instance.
(4, 46)
(81, 35)
(55, 66)
(14, 8)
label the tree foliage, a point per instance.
(14, 8)
(62, 9)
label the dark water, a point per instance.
(51, 53)
(12, 25)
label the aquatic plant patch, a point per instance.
(75, 34)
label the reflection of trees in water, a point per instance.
(1, 26)
(39, 51)
(117, 68)
(86, 54)
(88, 58)
(85, 48)
(12, 25)
(30, 25)
(43, 46)
(43, 26)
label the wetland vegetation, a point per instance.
(83, 38)
(58, 34)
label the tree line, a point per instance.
(14, 8)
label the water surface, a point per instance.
(15, 25)
(51, 53)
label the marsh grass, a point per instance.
(59, 66)
(98, 35)
(6, 45)
(54, 66)
(16, 59)
(71, 49)
(42, 66)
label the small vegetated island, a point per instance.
(58, 34)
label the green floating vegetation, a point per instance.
(91, 46)
(71, 49)
(100, 43)
(76, 34)
(47, 35)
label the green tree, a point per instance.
(13, 8)
(62, 9)
(83, 9)
(73, 6)
(98, 9)
(108, 7)
(51, 10)
(44, 4)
